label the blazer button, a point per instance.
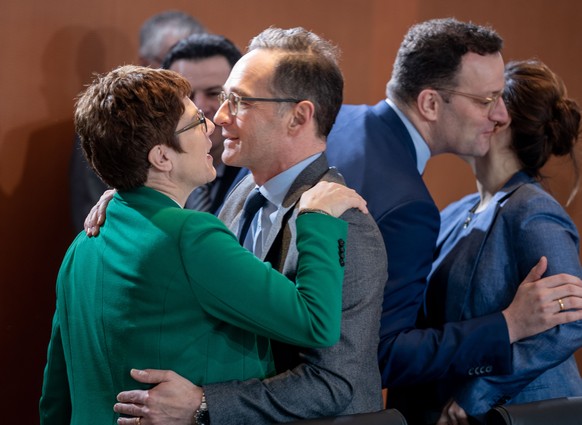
(341, 251)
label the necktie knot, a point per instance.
(253, 203)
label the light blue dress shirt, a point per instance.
(275, 191)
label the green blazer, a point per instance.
(168, 288)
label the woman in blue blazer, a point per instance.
(490, 240)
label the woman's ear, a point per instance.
(160, 158)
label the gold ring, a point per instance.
(561, 304)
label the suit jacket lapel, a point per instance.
(224, 185)
(280, 236)
(231, 211)
(460, 299)
(390, 118)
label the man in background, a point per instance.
(161, 32)
(206, 60)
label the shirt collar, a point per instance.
(420, 145)
(277, 187)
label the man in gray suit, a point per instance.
(279, 104)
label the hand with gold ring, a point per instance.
(533, 309)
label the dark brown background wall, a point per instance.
(48, 51)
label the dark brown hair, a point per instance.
(431, 53)
(544, 120)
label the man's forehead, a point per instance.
(211, 64)
(254, 68)
(482, 72)
(208, 72)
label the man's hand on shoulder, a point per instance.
(96, 216)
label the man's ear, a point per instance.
(160, 158)
(302, 114)
(429, 103)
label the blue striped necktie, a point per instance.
(199, 199)
(253, 203)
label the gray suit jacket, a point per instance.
(340, 380)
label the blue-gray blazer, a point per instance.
(479, 274)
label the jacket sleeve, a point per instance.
(328, 381)
(55, 401)
(538, 228)
(232, 285)
(410, 232)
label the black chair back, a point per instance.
(558, 411)
(383, 417)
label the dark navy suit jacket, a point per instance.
(374, 152)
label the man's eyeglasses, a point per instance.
(201, 120)
(234, 101)
(486, 102)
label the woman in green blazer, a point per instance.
(170, 288)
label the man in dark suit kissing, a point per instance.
(444, 96)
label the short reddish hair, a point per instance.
(123, 115)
